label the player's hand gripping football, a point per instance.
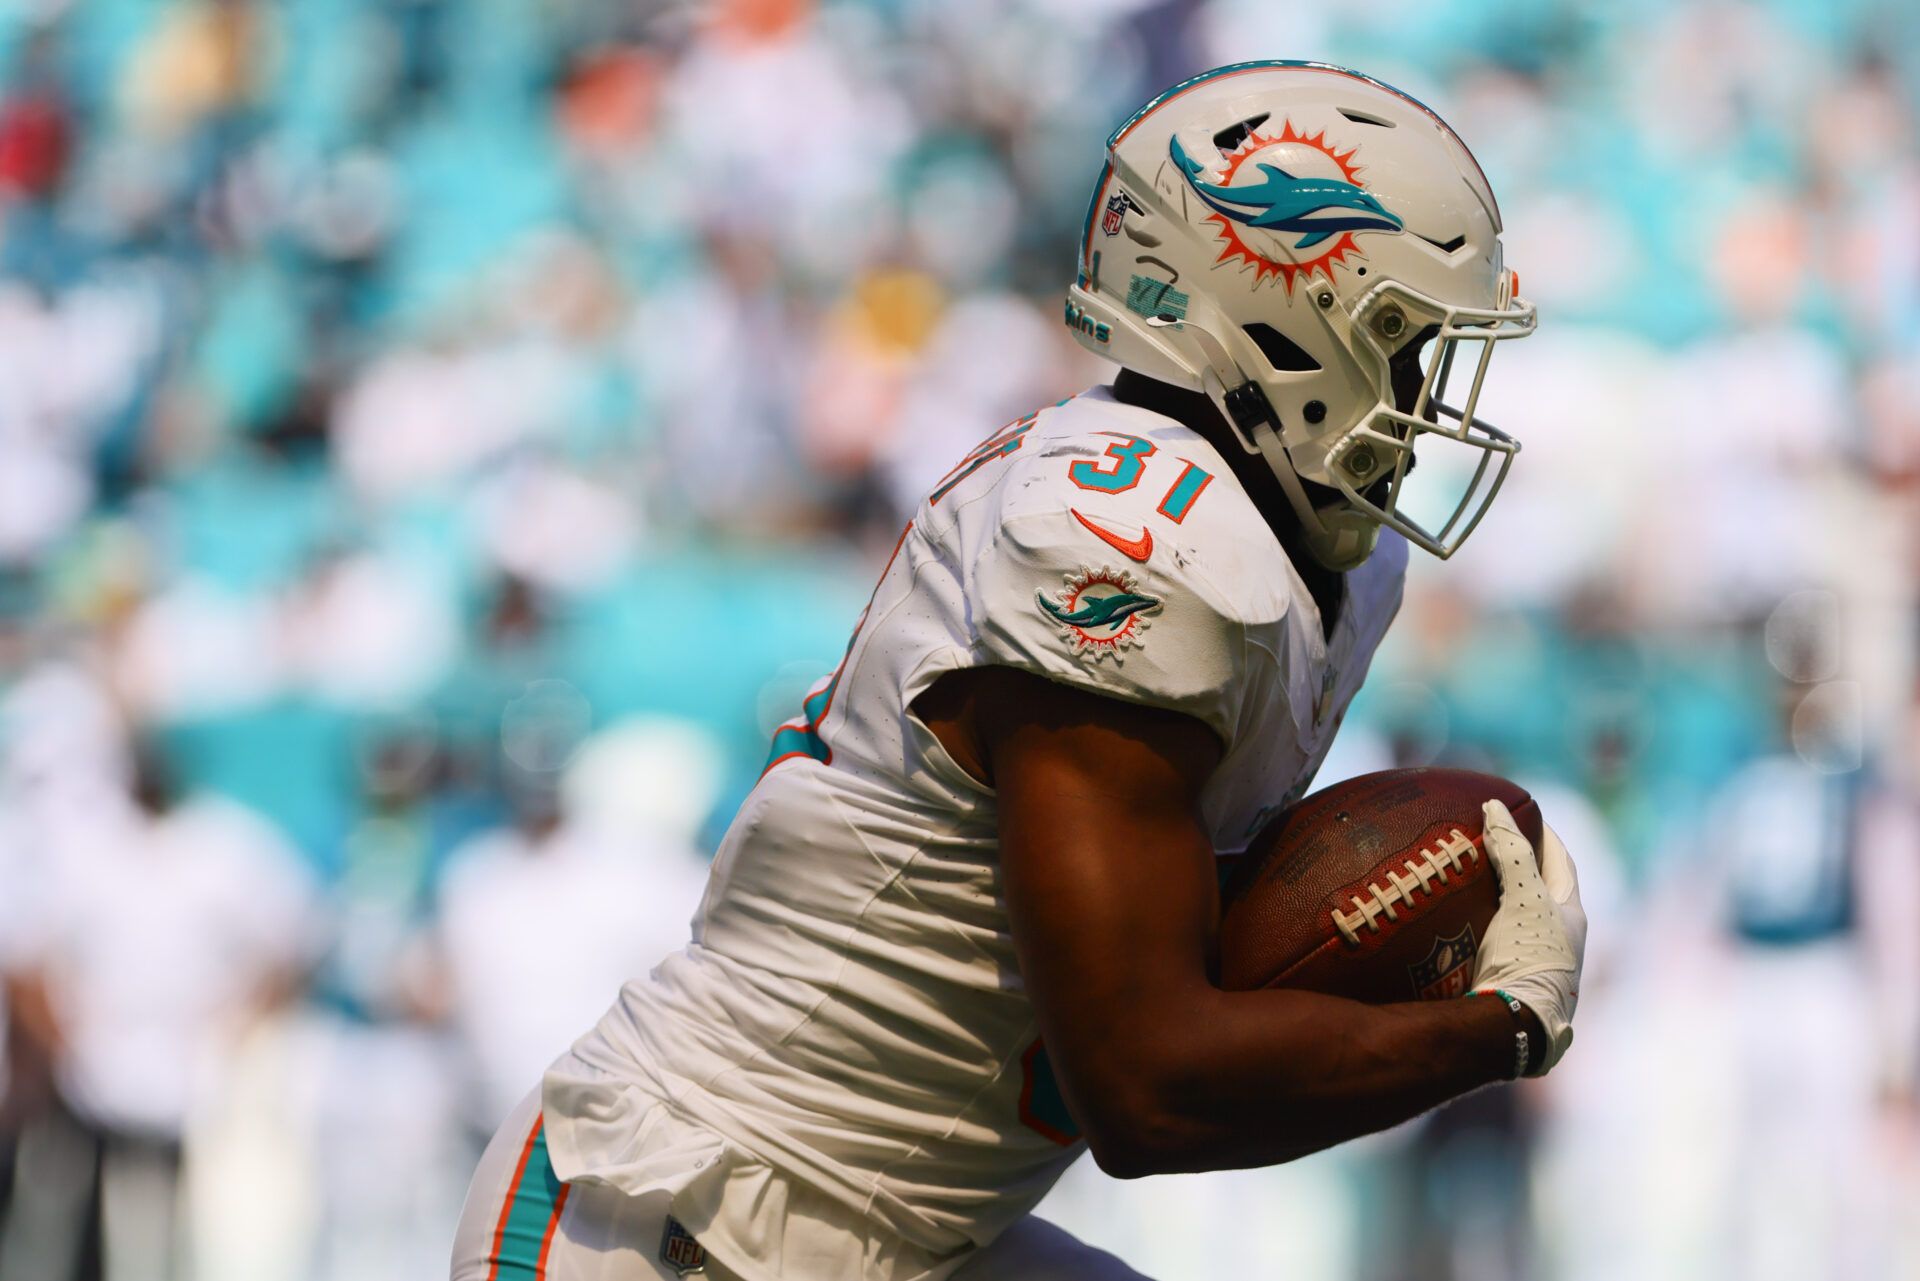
(1536, 940)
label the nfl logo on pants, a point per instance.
(679, 1251)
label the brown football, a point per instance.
(1376, 889)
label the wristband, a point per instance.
(1522, 1051)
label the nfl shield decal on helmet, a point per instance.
(679, 1251)
(1447, 967)
(1118, 206)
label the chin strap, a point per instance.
(1247, 409)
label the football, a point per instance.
(1376, 888)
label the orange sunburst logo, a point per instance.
(1235, 247)
(1101, 611)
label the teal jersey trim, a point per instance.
(795, 740)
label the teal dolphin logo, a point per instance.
(1100, 611)
(1281, 202)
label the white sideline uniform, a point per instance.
(840, 1077)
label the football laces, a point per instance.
(1402, 890)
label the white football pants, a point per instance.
(520, 1223)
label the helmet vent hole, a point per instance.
(1364, 118)
(1281, 351)
(1445, 246)
(1230, 138)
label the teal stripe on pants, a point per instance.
(531, 1207)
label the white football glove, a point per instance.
(1534, 946)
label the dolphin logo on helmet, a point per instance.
(1282, 202)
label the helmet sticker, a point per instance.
(1150, 298)
(1119, 205)
(1290, 185)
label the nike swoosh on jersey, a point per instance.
(1134, 548)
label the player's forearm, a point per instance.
(1262, 1077)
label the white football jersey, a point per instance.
(848, 1028)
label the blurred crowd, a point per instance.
(440, 439)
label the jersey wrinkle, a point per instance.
(853, 1010)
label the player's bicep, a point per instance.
(1109, 878)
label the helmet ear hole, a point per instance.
(1285, 355)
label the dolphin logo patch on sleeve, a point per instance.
(1102, 611)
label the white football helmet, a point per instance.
(1311, 248)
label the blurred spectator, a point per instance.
(37, 142)
(539, 924)
(160, 927)
(382, 1110)
(1786, 834)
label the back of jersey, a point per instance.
(851, 1009)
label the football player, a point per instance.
(964, 926)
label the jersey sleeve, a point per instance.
(1059, 600)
